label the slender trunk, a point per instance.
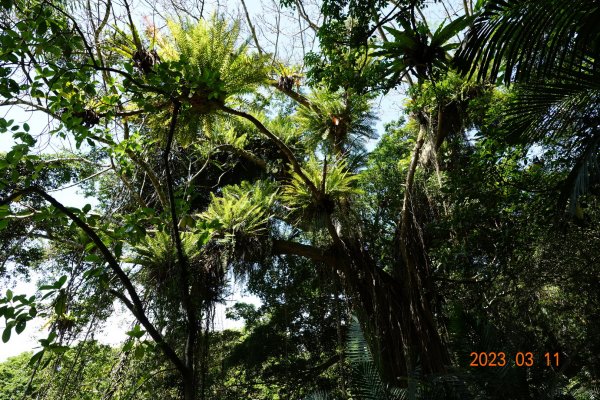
(188, 304)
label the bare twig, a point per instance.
(305, 17)
(79, 182)
(252, 30)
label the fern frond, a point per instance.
(210, 50)
(317, 396)
(366, 382)
(157, 255)
(242, 209)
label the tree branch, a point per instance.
(281, 247)
(245, 154)
(81, 181)
(143, 165)
(295, 96)
(135, 304)
(252, 30)
(282, 146)
(304, 15)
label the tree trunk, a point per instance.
(189, 387)
(397, 309)
(396, 318)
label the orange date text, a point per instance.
(520, 359)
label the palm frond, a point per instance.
(585, 172)
(561, 106)
(564, 109)
(529, 38)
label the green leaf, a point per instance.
(447, 32)
(139, 352)
(479, 5)
(136, 332)
(58, 349)
(9, 294)
(118, 249)
(6, 4)
(61, 282)
(128, 345)
(36, 357)
(46, 342)
(203, 238)
(92, 258)
(95, 272)
(42, 27)
(20, 326)
(6, 334)
(61, 303)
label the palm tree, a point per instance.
(551, 49)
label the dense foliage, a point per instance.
(383, 258)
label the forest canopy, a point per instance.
(409, 187)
